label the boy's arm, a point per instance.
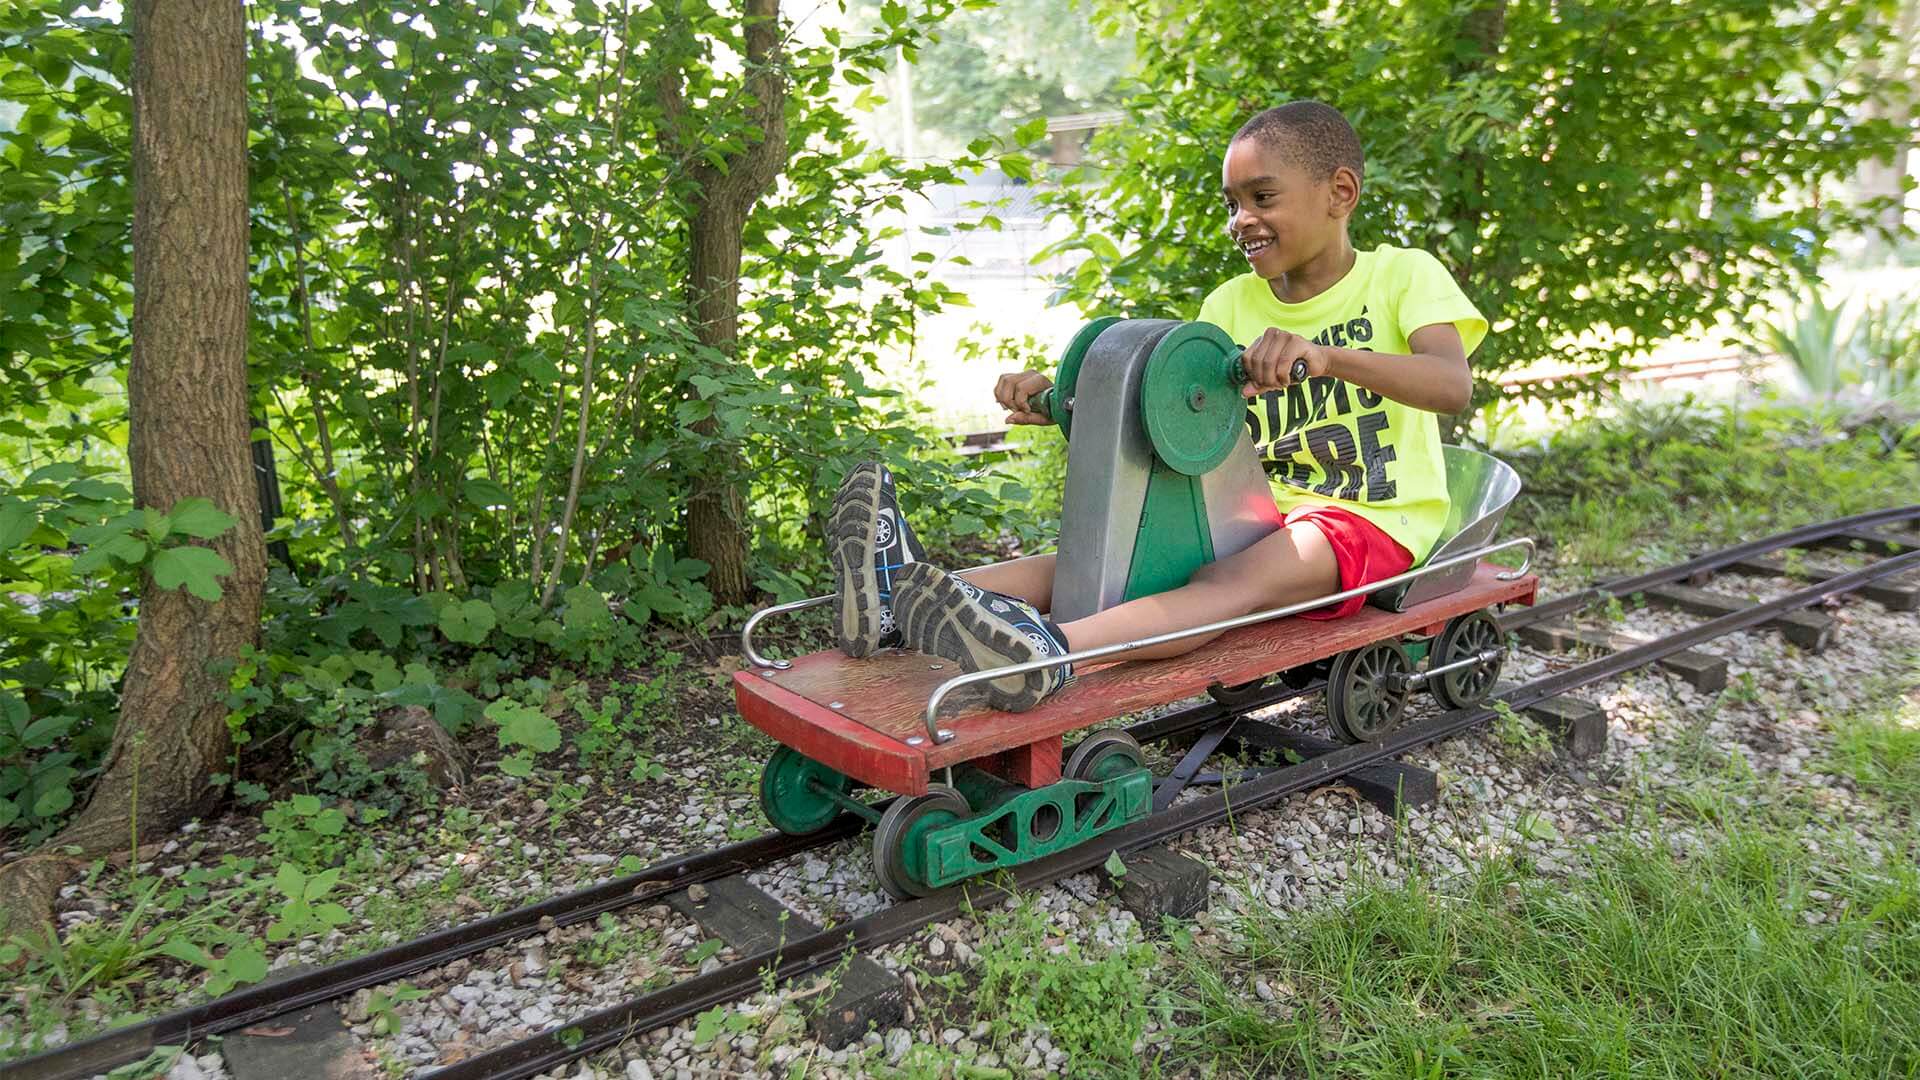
(1433, 377)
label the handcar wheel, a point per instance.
(1104, 755)
(1466, 636)
(898, 860)
(1361, 706)
(790, 797)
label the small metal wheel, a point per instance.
(1104, 755)
(790, 793)
(898, 860)
(1466, 636)
(1362, 706)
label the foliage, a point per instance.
(1657, 480)
(1032, 975)
(1609, 176)
(1834, 349)
(469, 255)
(1750, 956)
(993, 65)
(306, 909)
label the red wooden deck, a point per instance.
(856, 715)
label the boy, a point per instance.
(1353, 455)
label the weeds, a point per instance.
(1751, 957)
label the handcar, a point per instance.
(1161, 478)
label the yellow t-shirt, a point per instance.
(1329, 443)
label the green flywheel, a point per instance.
(1189, 399)
(1069, 371)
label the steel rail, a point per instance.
(1712, 560)
(818, 951)
(260, 1002)
(264, 1000)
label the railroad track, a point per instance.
(1898, 554)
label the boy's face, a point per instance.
(1279, 217)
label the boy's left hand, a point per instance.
(1269, 360)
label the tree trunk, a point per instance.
(1888, 178)
(716, 512)
(187, 397)
(1482, 30)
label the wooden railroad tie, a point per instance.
(739, 913)
(1578, 724)
(1705, 673)
(1811, 630)
(1898, 593)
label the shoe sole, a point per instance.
(939, 617)
(851, 528)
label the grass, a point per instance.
(1659, 480)
(1654, 962)
(1030, 974)
(1878, 745)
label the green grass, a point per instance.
(1661, 480)
(1878, 746)
(1652, 964)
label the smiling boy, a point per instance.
(1352, 454)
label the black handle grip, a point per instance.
(1237, 373)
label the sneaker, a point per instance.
(946, 616)
(868, 542)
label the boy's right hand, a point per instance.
(1015, 394)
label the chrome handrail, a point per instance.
(746, 632)
(940, 693)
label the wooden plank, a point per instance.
(1579, 724)
(1811, 630)
(739, 913)
(1159, 883)
(827, 736)
(1389, 785)
(1705, 673)
(883, 697)
(1898, 593)
(1033, 765)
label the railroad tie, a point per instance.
(1811, 630)
(1705, 673)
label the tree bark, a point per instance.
(187, 404)
(1483, 28)
(727, 193)
(1888, 178)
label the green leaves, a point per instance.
(198, 569)
(198, 518)
(467, 622)
(524, 725)
(17, 522)
(306, 911)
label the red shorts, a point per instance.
(1363, 553)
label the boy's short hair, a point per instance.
(1313, 132)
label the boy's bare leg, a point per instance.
(1029, 579)
(1287, 567)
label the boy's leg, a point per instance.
(1030, 579)
(950, 616)
(1295, 564)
